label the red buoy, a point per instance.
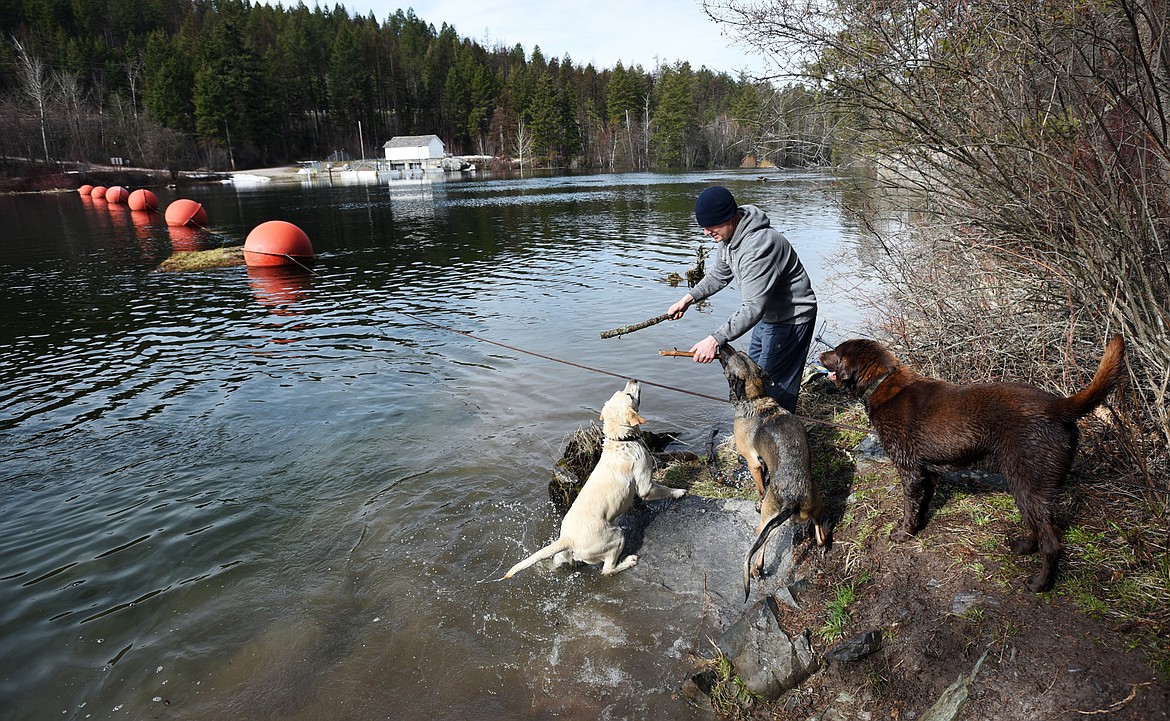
(116, 194)
(85, 189)
(277, 242)
(98, 191)
(183, 212)
(142, 199)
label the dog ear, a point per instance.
(726, 352)
(633, 419)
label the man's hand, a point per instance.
(705, 350)
(676, 311)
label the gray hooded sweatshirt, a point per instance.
(774, 284)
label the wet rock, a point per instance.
(967, 600)
(696, 549)
(764, 656)
(871, 449)
(697, 689)
(790, 594)
(856, 648)
(951, 702)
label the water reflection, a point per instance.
(279, 286)
(189, 238)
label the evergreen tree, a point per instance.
(229, 107)
(261, 81)
(674, 119)
(621, 97)
(543, 120)
(484, 94)
(348, 81)
(168, 84)
(567, 106)
(457, 96)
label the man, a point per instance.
(779, 305)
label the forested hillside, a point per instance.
(227, 83)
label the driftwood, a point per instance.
(678, 353)
(636, 326)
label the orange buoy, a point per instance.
(116, 194)
(277, 242)
(183, 212)
(98, 191)
(85, 189)
(142, 199)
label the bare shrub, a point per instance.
(1025, 147)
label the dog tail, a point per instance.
(1103, 381)
(552, 549)
(761, 539)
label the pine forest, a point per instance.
(226, 84)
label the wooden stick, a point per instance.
(682, 353)
(636, 326)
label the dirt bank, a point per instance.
(1094, 647)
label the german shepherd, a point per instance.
(774, 444)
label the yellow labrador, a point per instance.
(623, 472)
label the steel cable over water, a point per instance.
(554, 359)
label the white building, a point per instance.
(415, 152)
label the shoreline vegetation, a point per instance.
(67, 177)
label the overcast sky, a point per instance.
(602, 32)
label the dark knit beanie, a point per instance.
(715, 206)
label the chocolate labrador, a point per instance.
(928, 426)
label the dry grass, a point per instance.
(203, 260)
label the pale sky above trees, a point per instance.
(599, 31)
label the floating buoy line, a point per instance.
(280, 243)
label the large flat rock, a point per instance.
(695, 549)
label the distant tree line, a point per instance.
(227, 83)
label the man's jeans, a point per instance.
(781, 350)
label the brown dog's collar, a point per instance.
(874, 386)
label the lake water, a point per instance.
(245, 495)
